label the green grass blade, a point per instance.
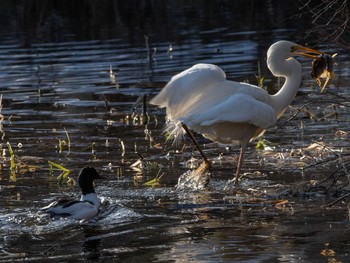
(58, 166)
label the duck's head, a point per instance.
(85, 179)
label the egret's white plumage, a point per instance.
(226, 111)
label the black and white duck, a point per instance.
(88, 205)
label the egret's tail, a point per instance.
(174, 132)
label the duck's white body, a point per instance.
(88, 205)
(86, 208)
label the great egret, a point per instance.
(226, 111)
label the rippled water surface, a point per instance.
(75, 81)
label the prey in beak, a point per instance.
(322, 67)
(322, 64)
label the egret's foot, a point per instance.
(207, 165)
(231, 184)
(203, 173)
(196, 180)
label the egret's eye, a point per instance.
(293, 48)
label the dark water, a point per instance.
(56, 63)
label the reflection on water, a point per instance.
(56, 63)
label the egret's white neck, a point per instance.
(290, 69)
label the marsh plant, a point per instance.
(64, 172)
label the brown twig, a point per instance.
(339, 199)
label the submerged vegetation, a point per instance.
(12, 162)
(155, 182)
(64, 172)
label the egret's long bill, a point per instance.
(306, 52)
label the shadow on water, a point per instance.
(71, 74)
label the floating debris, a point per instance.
(341, 134)
(113, 77)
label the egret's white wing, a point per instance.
(199, 88)
(238, 108)
(184, 88)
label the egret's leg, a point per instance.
(196, 144)
(240, 161)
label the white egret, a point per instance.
(225, 111)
